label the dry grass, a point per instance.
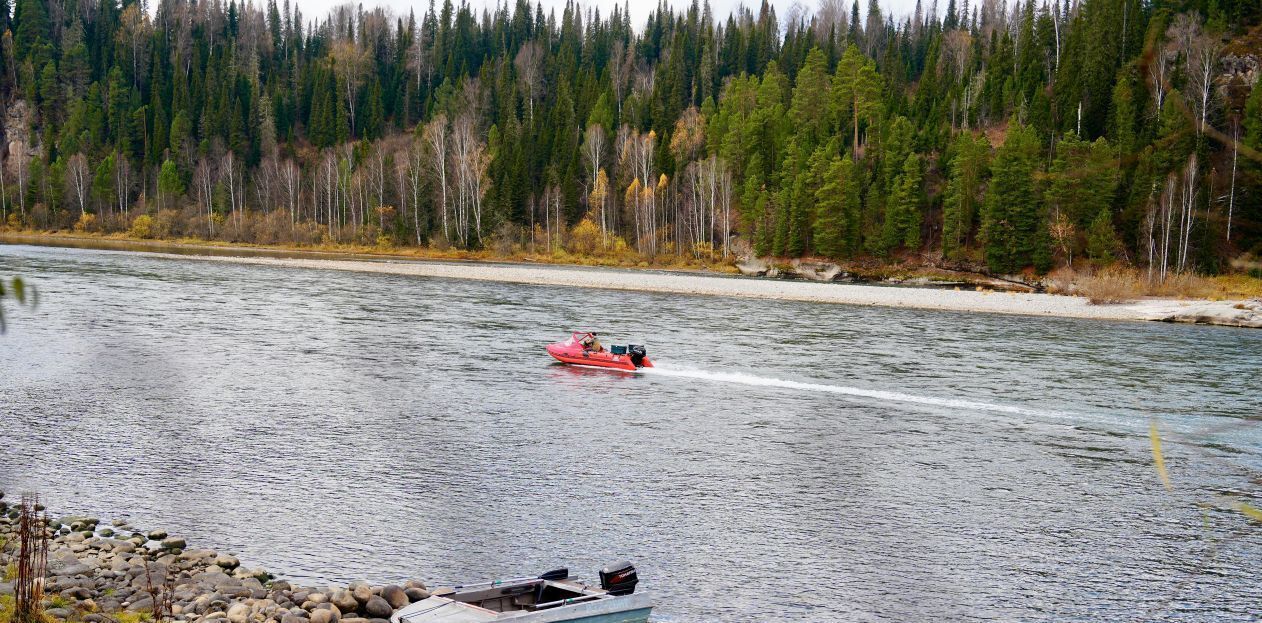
(1119, 284)
(1110, 285)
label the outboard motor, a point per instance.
(638, 353)
(619, 578)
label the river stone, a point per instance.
(319, 598)
(281, 585)
(362, 592)
(416, 594)
(227, 562)
(414, 584)
(94, 617)
(290, 617)
(354, 620)
(344, 600)
(157, 535)
(78, 593)
(394, 595)
(142, 604)
(239, 613)
(58, 613)
(325, 615)
(378, 607)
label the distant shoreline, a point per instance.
(1226, 313)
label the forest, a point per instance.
(1006, 136)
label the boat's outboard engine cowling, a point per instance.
(638, 353)
(619, 578)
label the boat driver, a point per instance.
(591, 343)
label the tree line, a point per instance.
(1019, 135)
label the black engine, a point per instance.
(619, 578)
(638, 353)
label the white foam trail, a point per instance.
(680, 371)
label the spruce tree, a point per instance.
(1012, 212)
(965, 181)
(902, 210)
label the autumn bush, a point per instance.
(141, 227)
(86, 222)
(584, 238)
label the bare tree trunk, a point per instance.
(1235, 155)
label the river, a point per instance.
(786, 461)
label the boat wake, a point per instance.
(669, 369)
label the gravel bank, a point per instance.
(1230, 313)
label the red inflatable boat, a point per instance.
(583, 349)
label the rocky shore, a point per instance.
(114, 573)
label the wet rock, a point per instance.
(378, 608)
(281, 586)
(227, 562)
(174, 542)
(416, 594)
(395, 596)
(157, 535)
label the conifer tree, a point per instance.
(966, 179)
(1012, 213)
(902, 210)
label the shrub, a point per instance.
(86, 222)
(166, 224)
(1114, 284)
(1061, 281)
(584, 238)
(141, 227)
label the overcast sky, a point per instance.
(639, 9)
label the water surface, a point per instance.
(787, 461)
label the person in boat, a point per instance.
(591, 343)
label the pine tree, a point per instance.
(1102, 241)
(856, 90)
